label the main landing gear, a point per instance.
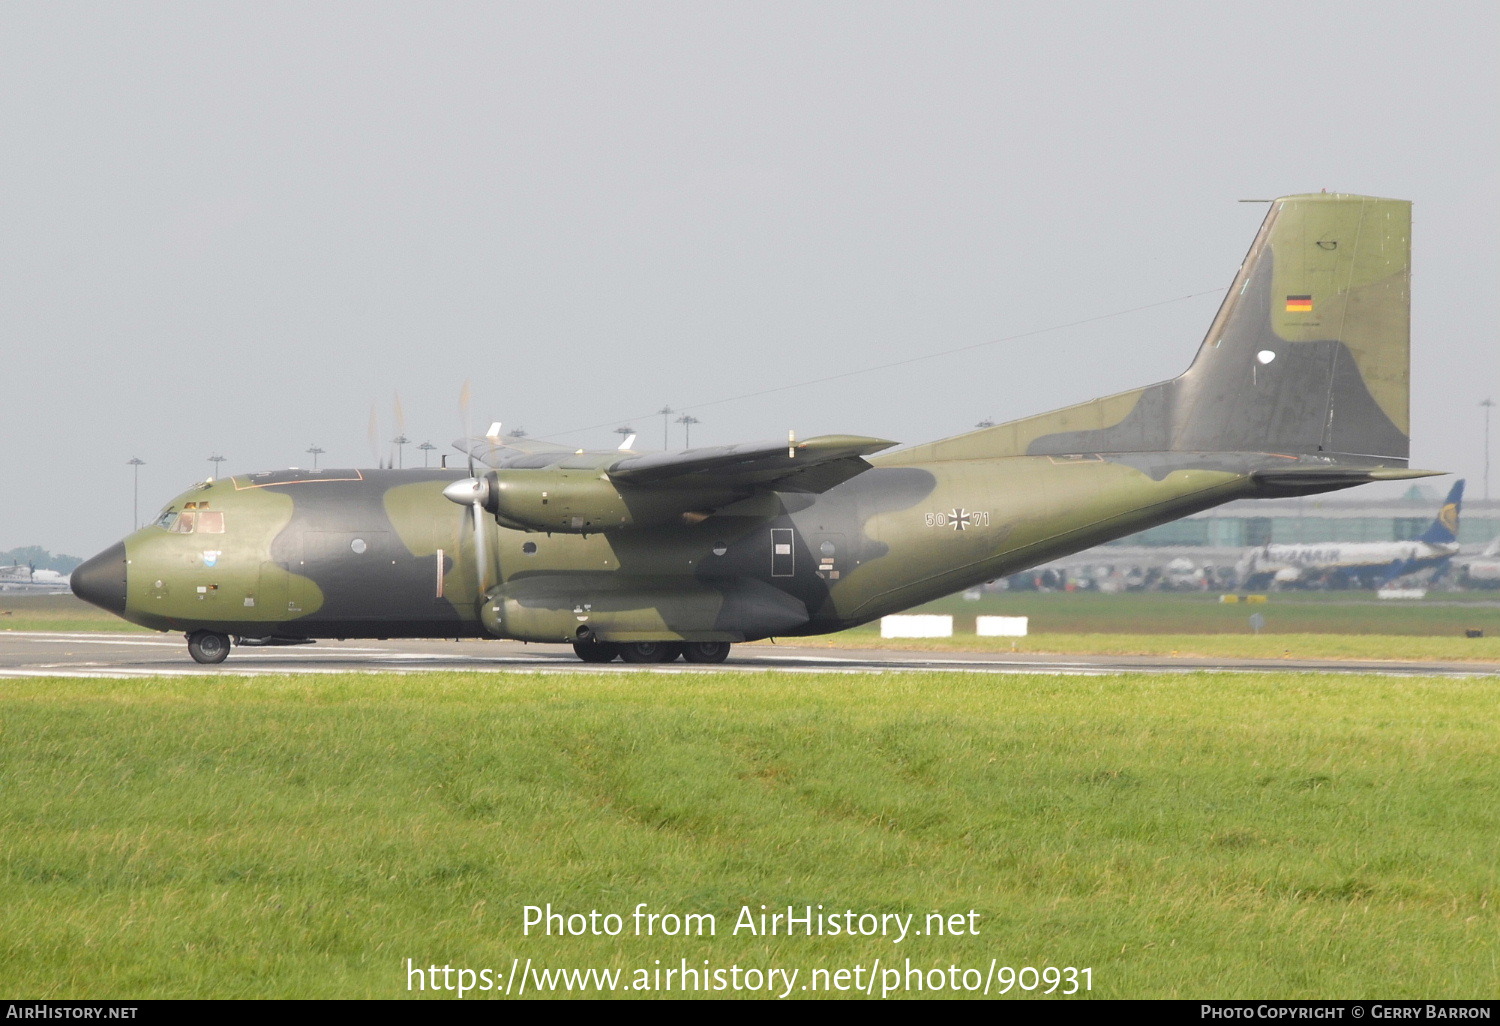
(596, 651)
(208, 646)
(652, 651)
(705, 651)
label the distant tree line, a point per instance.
(40, 558)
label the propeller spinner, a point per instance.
(473, 493)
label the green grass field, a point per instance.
(1307, 625)
(56, 612)
(1446, 614)
(1254, 836)
(1373, 647)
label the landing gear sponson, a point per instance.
(652, 651)
(212, 647)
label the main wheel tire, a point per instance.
(208, 646)
(706, 651)
(596, 651)
(650, 651)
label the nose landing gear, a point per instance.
(208, 646)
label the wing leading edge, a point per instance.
(814, 465)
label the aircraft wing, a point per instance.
(814, 465)
(511, 451)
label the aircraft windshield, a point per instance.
(192, 521)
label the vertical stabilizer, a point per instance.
(1309, 353)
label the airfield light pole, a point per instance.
(216, 460)
(426, 448)
(136, 463)
(401, 442)
(1488, 405)
(665, 411)
(687, 420)
(315, 452)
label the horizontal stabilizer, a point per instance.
(1293, 481)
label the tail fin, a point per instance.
(1308, 354)
(1444, 528)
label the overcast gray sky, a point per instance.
(232, 228)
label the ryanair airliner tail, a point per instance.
(1444, 528)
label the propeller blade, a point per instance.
(397, 452)
(374, 435)
(465, 396)
(481, 557)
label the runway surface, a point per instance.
(46, 654)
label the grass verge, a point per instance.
(1374, 647)
(1182, 835)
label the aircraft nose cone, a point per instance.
(101, 580)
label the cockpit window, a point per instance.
(193, 521)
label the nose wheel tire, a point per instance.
(706, 651)
(650, 651)
(208, 646)
(596, 651)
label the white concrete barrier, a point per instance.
(1000, 626)
(916, 625)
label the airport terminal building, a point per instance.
(1331, 517)
(1202, 550)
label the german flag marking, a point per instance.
(1299, 304)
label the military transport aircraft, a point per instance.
(1300, 386)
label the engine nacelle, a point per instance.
(570, 501)
(580, 501)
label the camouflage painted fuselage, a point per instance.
(1299, 387)
(382, 553)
